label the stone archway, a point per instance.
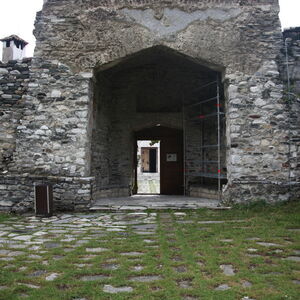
(154, 86)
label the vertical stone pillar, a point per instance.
(257, 137)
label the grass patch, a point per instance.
(4, 217)
(179, 259)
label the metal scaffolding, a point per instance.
(194, 113)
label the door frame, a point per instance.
(153, 133)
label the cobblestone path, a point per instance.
(137, 255)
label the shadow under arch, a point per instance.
(134, 94)
(157, 132)
(154, 51)
(152, 124)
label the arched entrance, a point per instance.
(161, 94)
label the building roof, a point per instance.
(13, 38)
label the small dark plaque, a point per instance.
(43, 200)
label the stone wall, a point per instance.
(257, 134)
(57, 123)
(14, 79)
(56, 134)
(291, 54)
(238, 34)
(285, 114)
(69, 193)
(46, 129)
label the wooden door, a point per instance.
(171, 162)
(43, 200)
(145, 160)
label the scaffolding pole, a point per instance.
(289, 113)
(184, 145)
(219, 141)
(202, 149)
(197, 108)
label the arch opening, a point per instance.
(158, 91)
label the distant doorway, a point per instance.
(159, 161)
(148, 167)
(171, 176)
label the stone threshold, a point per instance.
(154, 202)
(161, 208)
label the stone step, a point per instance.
(205, 195)
(100, 208)
(204, 192)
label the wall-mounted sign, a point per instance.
(171, 157)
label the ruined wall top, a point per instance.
(234, 34)
(183, 3)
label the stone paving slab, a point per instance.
(115, 290)
(227, 270)
(145, 278)
(94, 277)
(143, 202)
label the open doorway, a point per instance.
(159, 148)
(148, 167)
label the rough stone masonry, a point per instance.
(62, 117)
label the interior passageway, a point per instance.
(155, 95)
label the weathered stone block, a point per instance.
(6, 203)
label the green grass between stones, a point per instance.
(185, 252)
(4, 217)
